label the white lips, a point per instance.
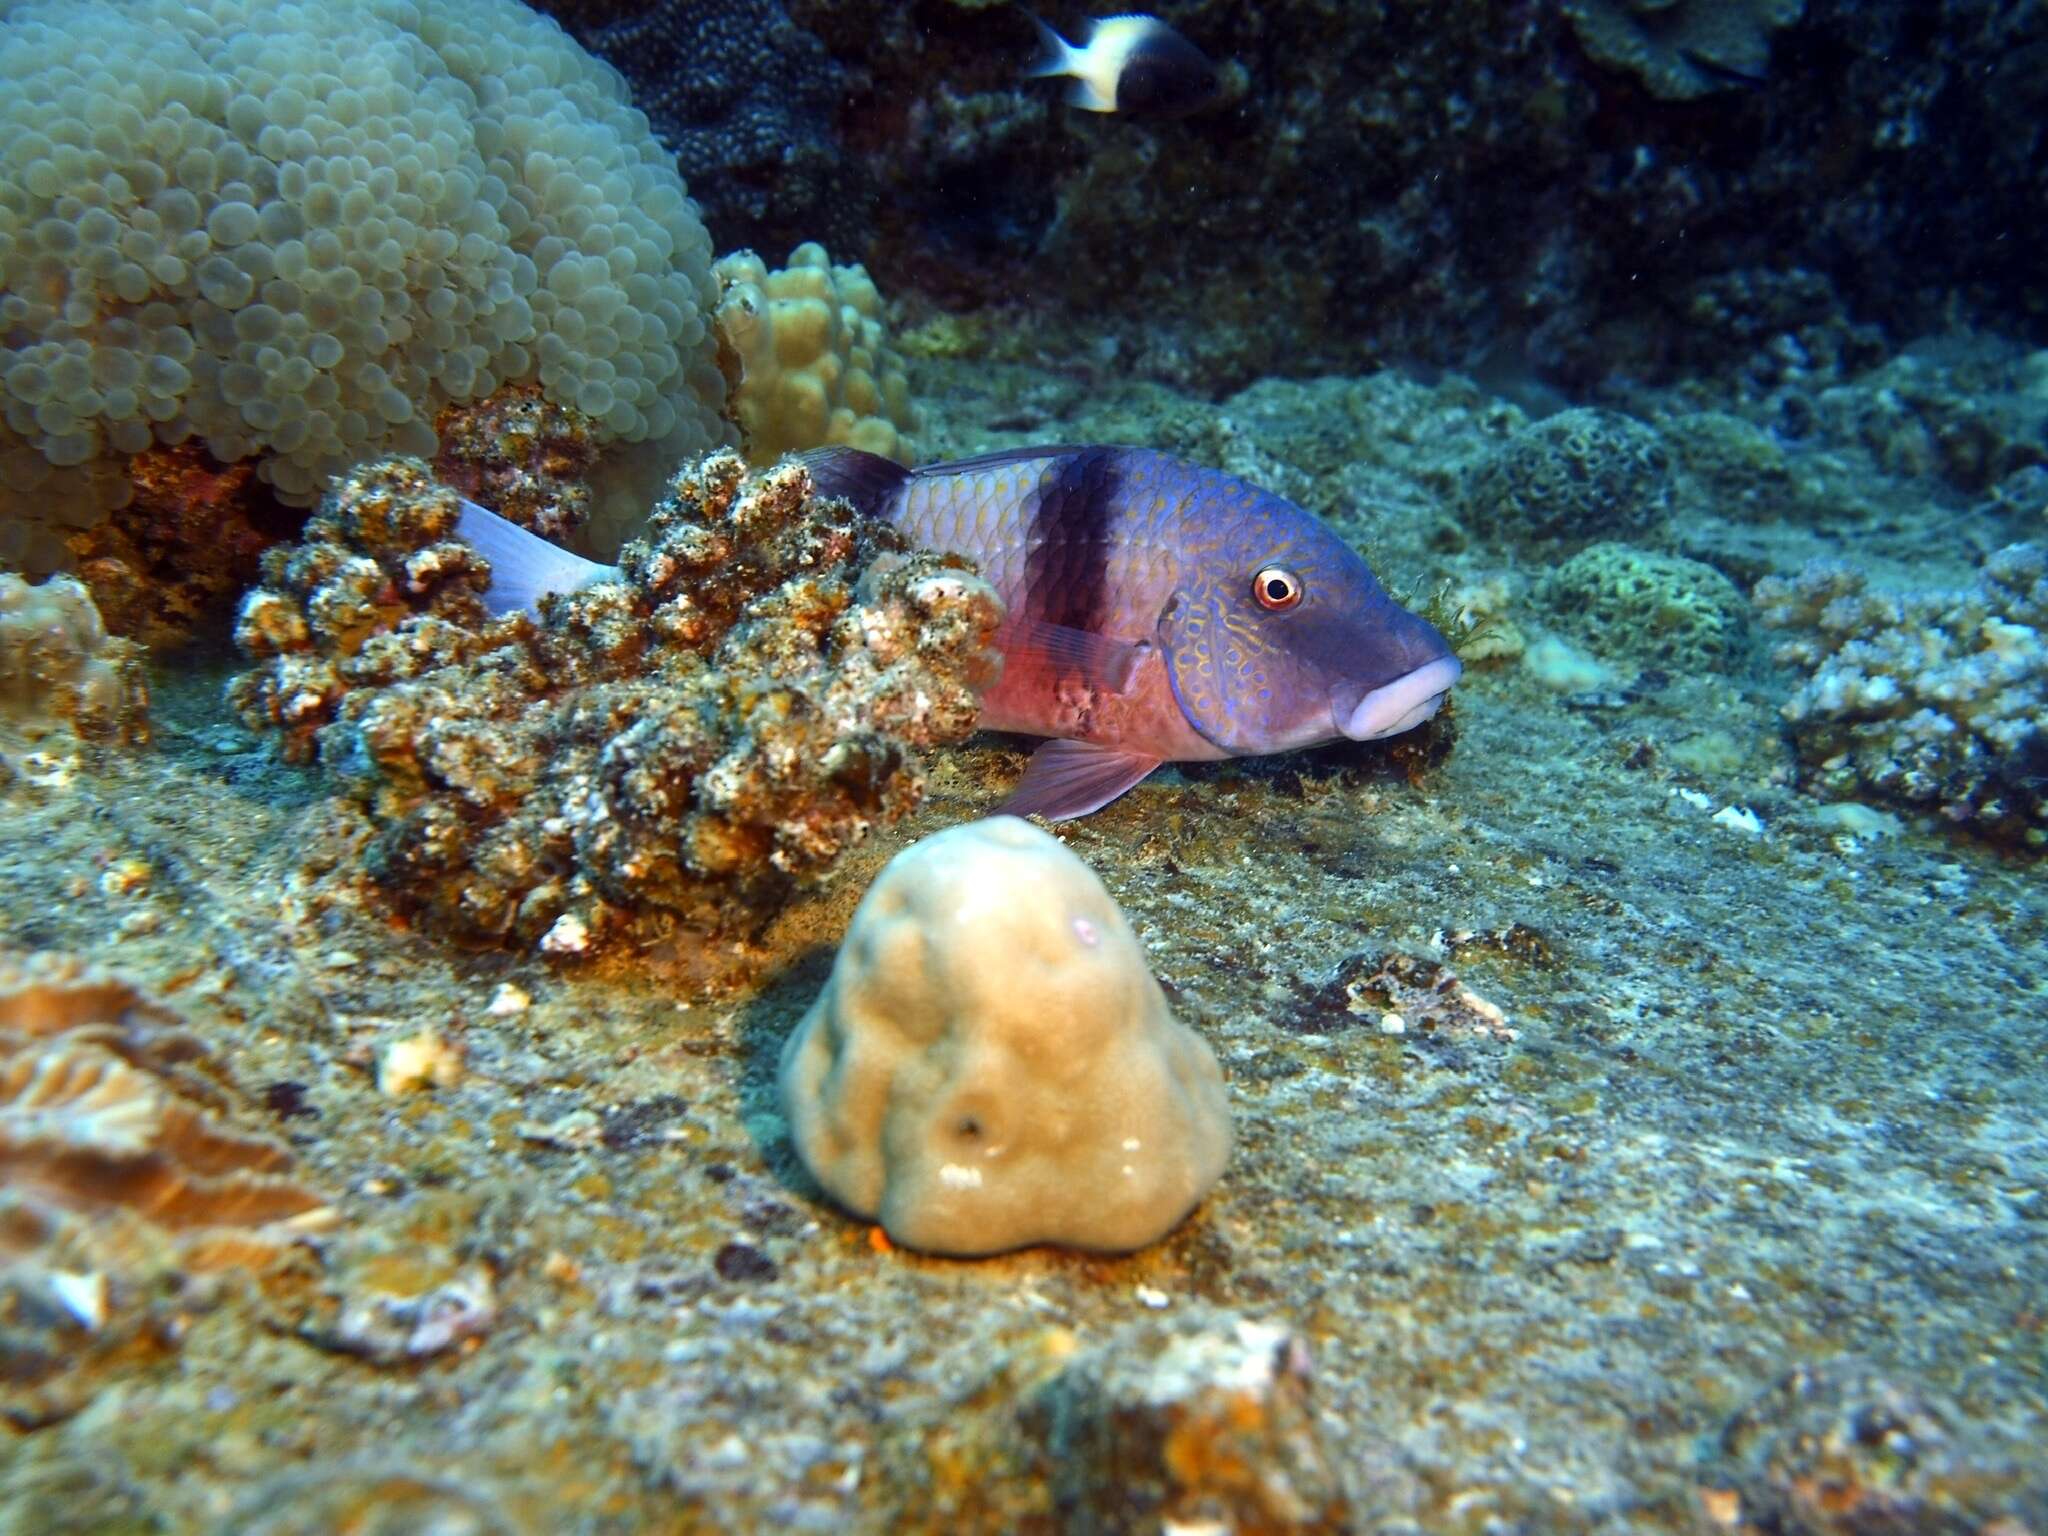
(1402, 704)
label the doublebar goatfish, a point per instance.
(1156, 611)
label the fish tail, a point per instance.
(524, 566)
(1056, 55)
(866, 479)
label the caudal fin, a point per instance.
(524, 566)
(1055, 54)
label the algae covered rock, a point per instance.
(61, 671)
(677, 748)
(1683, 48)
(992, 1065)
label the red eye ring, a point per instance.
(1276, 588)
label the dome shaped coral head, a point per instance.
(992, 1065)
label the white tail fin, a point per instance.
(524, 566)
(1056, 54)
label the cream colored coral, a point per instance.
(992, 1065)
(815, 362)
(58, 665)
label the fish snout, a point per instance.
(1367, 714)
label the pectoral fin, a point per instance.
(1060, 650)
(1065, 779)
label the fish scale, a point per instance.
(1132, 634)
(993, 515)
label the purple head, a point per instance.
(1280, 636)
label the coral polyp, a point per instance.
(681, 747)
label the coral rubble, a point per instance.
(1842, 1447)
(680, 746)
(1205, 1421)
(1934, 699)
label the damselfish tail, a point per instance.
(1055, 56)
(524, 566)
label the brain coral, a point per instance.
(298, 230)
(1683, 48)
(1647, 608)
(1569, 479)
(1935, 699)
(815, 361)
(679, 747)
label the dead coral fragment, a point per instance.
(128, 1180)
(1841, 1447)
(1401, 994)
(107, 1104)
(680, 747)
(60, 669)
(1203, 1422)
(1683, 48)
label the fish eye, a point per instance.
(1276, 588)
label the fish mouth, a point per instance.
(1399, 706)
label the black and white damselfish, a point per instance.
(1135, 65)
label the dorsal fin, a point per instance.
(866, 479)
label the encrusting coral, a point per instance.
(679, 747)
(60, 669)
(992, 1064)
(1934, 699)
